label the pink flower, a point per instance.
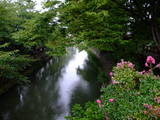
(119, 64)
(142, 72)
(150, 59)
(158, 65)
(146, 64)
(147, 106)
(145, 112)
(98, 101)
(149, 70)
(111, 74)
(111, 100)
(130, 65)
(157, 100)
(125, 63)
(114, 82)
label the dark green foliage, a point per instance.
(11, 66)
(102, 77)
(7, 20)
(100, 24)
(42, 32)
(12, 63)
(125, 27)
(26, 34)
(33, 33)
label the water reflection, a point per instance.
(63, 82)
(68, 82)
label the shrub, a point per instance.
(89, 112)
(132, 95)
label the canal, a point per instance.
(55, 88)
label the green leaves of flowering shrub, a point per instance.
(150, 84)
(129, 101)
(89, 112)
(125, 76)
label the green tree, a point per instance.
(11, 61)
(100, 24)
(113, 25)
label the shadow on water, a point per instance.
(62, 82)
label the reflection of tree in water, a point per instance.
(37, 102)
(91, 68)
(89, 72)
(40, 96)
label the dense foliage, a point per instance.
(122, 26)
(131, 95)
(90, 112)
(126, 27)
(95, 23)
(12, 61)
(26, 35)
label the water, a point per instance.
(61, 83)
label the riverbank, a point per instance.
(106, 59)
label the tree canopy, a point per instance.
(25, 34)
(113, 25)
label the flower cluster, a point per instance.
(152, 110)
(150, 61)
(147, 106)
(100, 102)
(111, 74)
(142, 72)
(125, 63)
(114, 82)
(111, 100)
(157, 99)
(158, 65)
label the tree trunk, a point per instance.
(154, 25)
(155, 36)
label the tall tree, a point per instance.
(11, 62)
(113, 25)
(96, 23)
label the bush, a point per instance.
(132, 95)
(89, 112)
